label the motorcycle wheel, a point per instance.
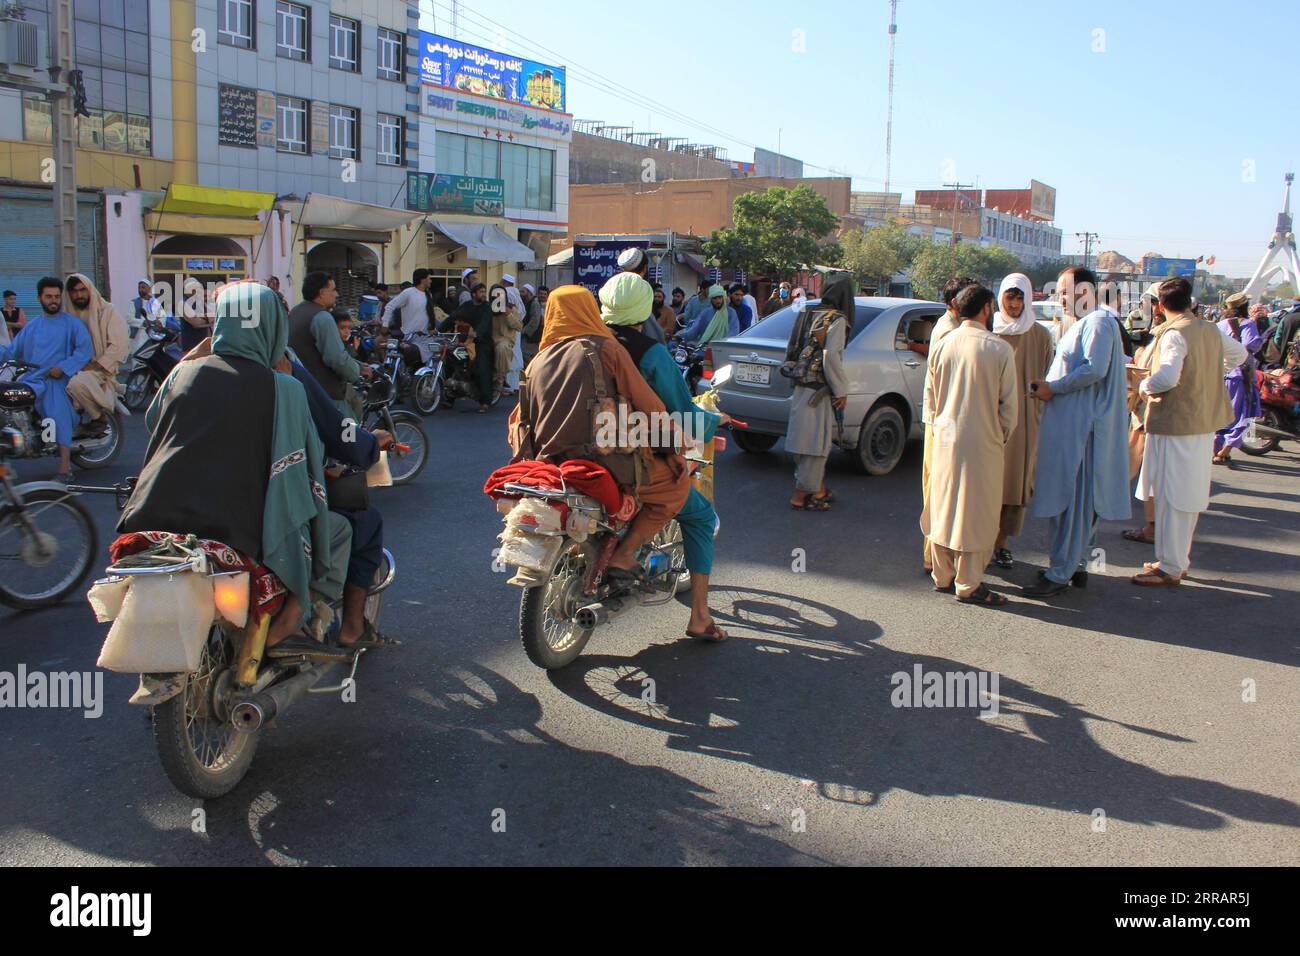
(550, 637)
(202, 753)
(138, 391)
(670, 539)
(50, 513)
(1260, 445)
(405, 466)
(428, 394)
(101, 452)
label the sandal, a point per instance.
(714, 635)
(1002, 558)
(1156, 579)
(1150, 567)
(812, 503)
(1138, 534)
(984, 597)
(371, 637)
(66, 478)
(629, 576)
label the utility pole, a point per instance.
(889, 113)
(952, 242)
(1088, 239)
(63, 141)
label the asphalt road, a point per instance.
(1122, 735)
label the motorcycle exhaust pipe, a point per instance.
(253, 713)
(591, 616)
(1270, 432)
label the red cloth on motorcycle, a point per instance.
(265, 590)
(579, 474)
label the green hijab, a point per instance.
(252, 324)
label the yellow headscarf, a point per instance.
(570, 312)
(626, 299)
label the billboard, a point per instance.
(443, 192)
(1151, 266)
(596, 263)
(475, 69)
(1042, 200)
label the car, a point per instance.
(885, 359)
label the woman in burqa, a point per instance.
(819, 334)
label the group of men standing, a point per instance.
(1015, 427)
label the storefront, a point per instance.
(354, 242)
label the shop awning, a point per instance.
(333, 212)
(188, 199)
(695, 263)
(562, 258)
(485, 242)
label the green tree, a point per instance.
(876, 255)
(1284, 290)
(776, 232)
(933, 266)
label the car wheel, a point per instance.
(753, 442)
(884, 436)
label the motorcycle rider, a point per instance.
(473, 319)
(411, 306)
(718, 322)
(623, 298)
(93, 390)
(146, 308)
(314, 338)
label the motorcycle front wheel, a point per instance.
(202, 753)
(404, 466)
(428, 394)
(551, 638)
(40, 569)
(139, 390)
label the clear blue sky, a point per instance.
(1145, 141)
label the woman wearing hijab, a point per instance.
(234, 457)
(622, 299)
(94, 388)
(553, 433)
(1015, 324)
(1243, 389)
(821, 389)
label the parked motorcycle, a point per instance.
(561, 542)
(1279, 401)
(212, 685)
(47, 538)
(447, 376)
(408, 456)
(18, 411)
(154, 358)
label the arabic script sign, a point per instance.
(444, 192)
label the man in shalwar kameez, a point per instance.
(59, 345)
(1082, 472)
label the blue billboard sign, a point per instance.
(596, 263)
(1186, 268)
(474, 69)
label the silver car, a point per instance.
(885, 361)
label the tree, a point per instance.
(777, 232)
(1283, 291)
(1047, 271)
(876, 255)
(933, 266)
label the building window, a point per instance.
(343, 132)
(528, 171)
(292, 31)
(390, 55)
(290, 124)
(343, 43)
(235, 23)
(391, 148)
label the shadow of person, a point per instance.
(807, 690)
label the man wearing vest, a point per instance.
(1187, 403)
(314, 338)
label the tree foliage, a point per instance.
(776, 232)
(933, 266)
(876, 255)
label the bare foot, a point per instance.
(284, 623)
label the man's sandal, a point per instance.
(1150, 567)
(983, 597)
(1156, 579)
(1138, 534)
(714, 635)
(812, 503)
(371, 637)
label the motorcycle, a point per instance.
(410, 453)
(18, 411)
(561, 542)
(1279, 402)
(447, 376)
(208, 709)
(692, 361)
(157, 354)
(47, 537)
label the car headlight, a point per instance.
(722, 375)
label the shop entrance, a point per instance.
(353, 266)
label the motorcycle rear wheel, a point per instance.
(202, 753)
(550, 637)
(407, 431)
(1263, 445)
(105, 450)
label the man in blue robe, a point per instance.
(59, 345)
(1083, 439)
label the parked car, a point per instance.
(885, 359)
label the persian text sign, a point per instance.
(475, 69)
(596, 263)
(444, 192)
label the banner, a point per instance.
(596, 263)
(1168, 268)
(444, 192)
(475, 69)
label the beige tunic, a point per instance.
(972, 408)
(1033, 351)
(947, 322)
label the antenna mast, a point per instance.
(889, 116)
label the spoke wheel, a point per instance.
(547, 630)
(39, 570)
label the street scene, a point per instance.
(429, 439)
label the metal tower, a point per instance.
(1281, 254)
(889, 115)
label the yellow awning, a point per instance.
(187, 198)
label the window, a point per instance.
(390, 55)
(343, 43)
(290, 124)
(528, 171)
(343, 132)
(235, 23)
(115, 67)
(292, 30)
(391, 148)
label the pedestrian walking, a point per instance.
(1243, 390)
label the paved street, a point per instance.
(1115, 700)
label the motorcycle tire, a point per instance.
(407, 430)
(63, 500)
(102, 455)
(555, 602)
(1262, 446)
(139, 391)
(428, 394)
(214, 765)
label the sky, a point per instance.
(1165, 126)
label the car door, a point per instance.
(911, 346)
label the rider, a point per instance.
(93, 390)
(411, 305)
(473, 318)
(719, 322)
(624, 298)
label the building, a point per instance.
(1033, 241)
(1018, 220)
(603, 154)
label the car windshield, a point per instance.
(778, 325)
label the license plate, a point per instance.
(753, 374)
